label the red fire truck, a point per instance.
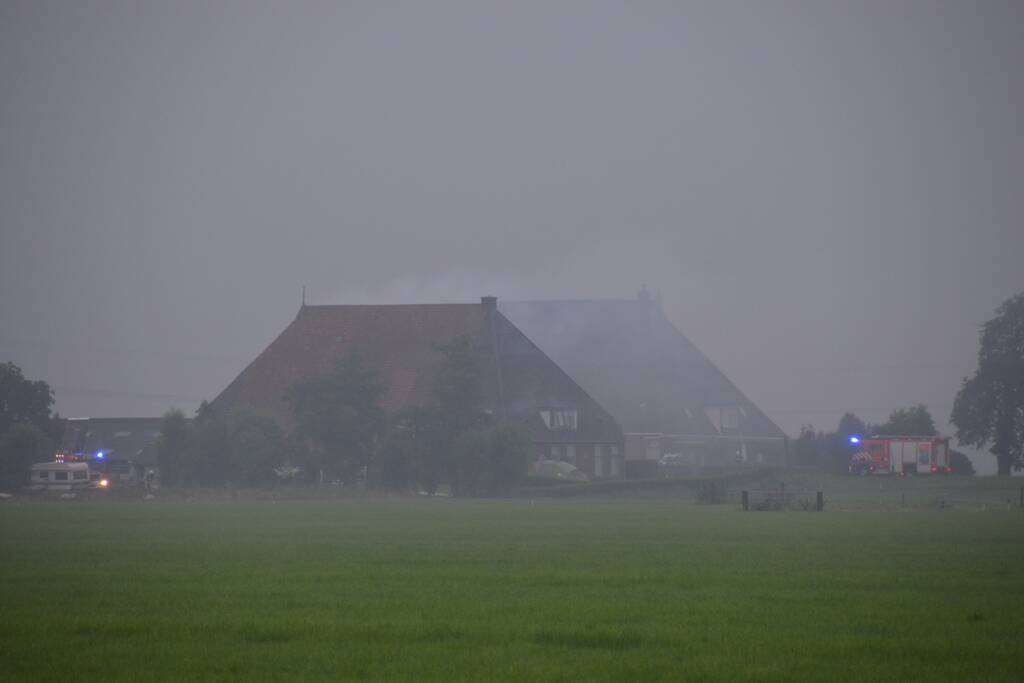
(900, 455)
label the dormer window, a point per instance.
(724, 418)
(558, 420)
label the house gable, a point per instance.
(638, 365)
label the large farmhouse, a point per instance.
(521, 383)
(673, 404)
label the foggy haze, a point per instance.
(828, 196)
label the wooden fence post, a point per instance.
(819, 504)
(746, 500)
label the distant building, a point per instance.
(120, 446)
(520, 383)
(673, 404)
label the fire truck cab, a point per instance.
(902, 455)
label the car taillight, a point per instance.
(934, 468)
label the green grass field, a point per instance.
(438, 589)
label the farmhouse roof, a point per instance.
(400, 342)
(638, 365)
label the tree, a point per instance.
(912, 421)
(457, 390)
(457, 408)
(26, 402)
(490, 461)
(829, 451)
(214, 450)
(340, 416)
(415, 451)
(210, 453)
(435, 443)
(851, 425)
(805, 447)
(470, 456)
(395, 465)
(510, 446)
(172, 449)
(989, 408)
(28, 430)
(256, 446)
(20, 446)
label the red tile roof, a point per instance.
(400, 342)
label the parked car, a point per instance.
(555, 469)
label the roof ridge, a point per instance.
(456, 303)
(569, 301)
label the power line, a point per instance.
(776, 367)
(824, 411)
(46, 345)
(126, 394)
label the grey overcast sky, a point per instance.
(829, 196)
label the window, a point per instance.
(79, 474)
(43, 475)
(598, 465)
(560, 420)
(60, 476)
(653, 449)
(570, 453)
(724, 418)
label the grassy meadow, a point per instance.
(515, 590)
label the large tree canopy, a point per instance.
(989, 409)
(912, 421)
(851, 425)
(24, 401)
(457, 390)
(340, 415)
(454, 439)
(213, 450)
(27, 428)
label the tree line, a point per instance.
(988, 412)
(342, 433)
(831, 451)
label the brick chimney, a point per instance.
(489, 302)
